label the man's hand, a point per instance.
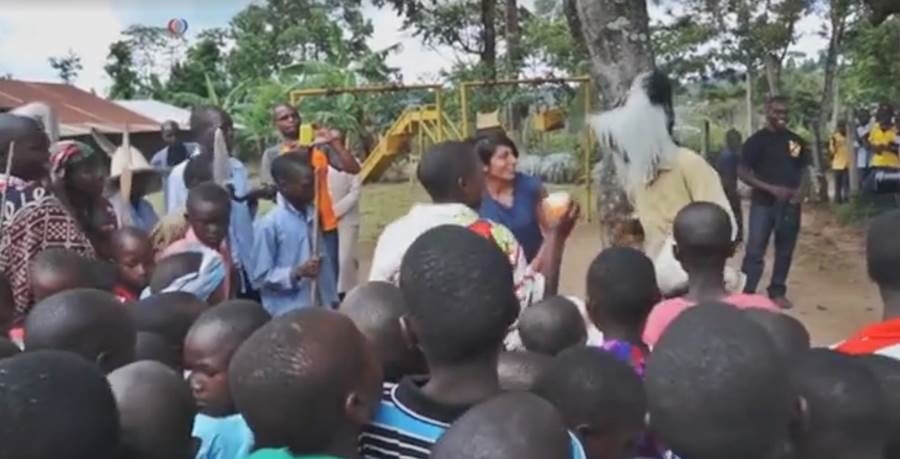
(564, 224)
(309, 270)
(781, 193)
(263, 192)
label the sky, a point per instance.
(32, 31)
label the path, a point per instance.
(828, 281)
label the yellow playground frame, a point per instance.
(430, 121)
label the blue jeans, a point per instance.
(783, 219)
(330, 240)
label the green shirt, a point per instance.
(283, 453)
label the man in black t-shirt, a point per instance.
(773, 162)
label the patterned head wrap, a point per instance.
(65, 154)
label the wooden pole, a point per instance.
(8, 170)
(314, 282)
(853, 166)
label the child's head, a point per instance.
(459, 290)
(198, 170)
(519, 370)
(452, 172)
(703, 242)
(515, 425)
(208, 212)
(883, 252)
(733, 140)
(294, 179)
(789, 335)
(600, 398)
(169, 315)
(8, 349)
(621, 288)
(133, 255)
(887, 372)
(376, 309)
(717, 387)
(199, 271)
(7, 305)
(156, 412)
(154, 347)
(54, 405)
(90, 323)
(552, 326)
(208, 348)
(845, 407)
(307, 381)
(57, 270)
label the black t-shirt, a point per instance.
(775, 157)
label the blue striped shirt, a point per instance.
(402, 430)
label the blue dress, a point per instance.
(522, 217)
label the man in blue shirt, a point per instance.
(284, 264)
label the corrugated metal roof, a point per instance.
(78, 111)
(158, 111)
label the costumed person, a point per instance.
(73, 216)
(659, 176)
(328, 150)
(129, 169)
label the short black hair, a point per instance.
(8, 349)
(552, 326)
(205, 118)
(171, 125)
(486, 145)
(198, 170)
(54, 404)
(887, 371)
(702, 232)
(156, 411)
(208, 192)
(621, 285)
(87, 322)
(589, 386)
(459, 289)
(121, 235)
(520, 370)
(376, 308)
(845, 406)
(81, 271)
(282, 105)
(172, 267)
(232, 321)
(789, 335)
(443, 166)
(515, 425)
(290, 166)
(154, 347)
(11, 128)
(169, 315)
(290, 379)
(778, 99)
(717, 387)
(883, 250)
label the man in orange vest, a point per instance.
(328, 150)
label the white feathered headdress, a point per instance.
(638, 132)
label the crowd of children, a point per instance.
(155, 346)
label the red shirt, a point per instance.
(123, 294)
(881, 338)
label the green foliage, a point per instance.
(548, 41)
(120, 68)
(67, 66)
(872, 63)
(203, 59)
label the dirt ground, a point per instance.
(828, 281)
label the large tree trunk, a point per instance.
(826, 106)
(882, 9)
(616, 34)
(773, 74)
(514, 55)
(489, 37)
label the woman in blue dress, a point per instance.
(511, 198)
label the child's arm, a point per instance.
(264, 269)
